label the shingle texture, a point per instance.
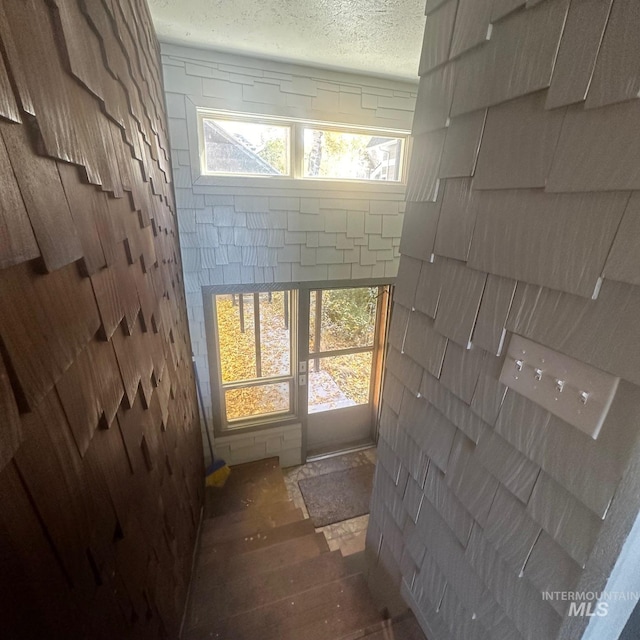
(521, 219)
(277, 231)
(100, 450)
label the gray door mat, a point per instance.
(341, 495)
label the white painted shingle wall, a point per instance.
(237, 231)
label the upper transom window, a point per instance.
(241, 145)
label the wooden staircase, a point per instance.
(263, 572)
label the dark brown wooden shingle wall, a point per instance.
(100, 449)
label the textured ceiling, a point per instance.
(381, 37)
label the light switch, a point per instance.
(572, 390)
(302, 380)
(302, 366)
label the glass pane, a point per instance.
(313, 297)
(238, 147)
(238, 337)
(351, 156)
(339, 381)
(257, 401)
(275, 335)
(347, 318)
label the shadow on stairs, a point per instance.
(262, 572)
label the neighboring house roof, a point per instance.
(230, 155)
(377, 141)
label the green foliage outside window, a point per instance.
(350, 314)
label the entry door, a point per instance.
(345, 336)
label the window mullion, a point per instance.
(255, 382)
(256, 322)
(339, 352)
(318, 328)
(241, 311)
(297, 151)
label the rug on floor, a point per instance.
(341, 495)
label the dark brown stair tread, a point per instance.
(262, 560)
(410, 626)
(331, 610)
(403, 627)
(212, 552)
(278, 509)
(217, 601)
(249, 484)
(225, 532)
(255, 511)
(243, 496)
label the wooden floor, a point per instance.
(262, 571)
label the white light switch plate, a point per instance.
(302, 366)
(302, 380)
(572, 390)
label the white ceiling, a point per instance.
(379, 37)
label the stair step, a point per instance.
(211, 603)
(250, 484)
(271, 508)
(219, 530)
(409, 628)
(403, 627)
(270, 558)
(215, 553)
(331, 610)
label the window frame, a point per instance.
(218, 400)
(299, 316)
(265, 120)
(296, 149)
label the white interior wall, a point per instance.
(253, 230)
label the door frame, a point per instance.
(299, 314)
(379, 351)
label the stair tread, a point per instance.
(403, 627)
(264, 572)
(410, 629)
(252, 591)
(250, 484)
(262, 560)
(259, 510)
(219, 532)
(333, 609)
(213, 552)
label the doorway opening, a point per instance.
(346, 332)
(308, 355)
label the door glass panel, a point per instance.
(257, 401)
(339, 381)
(313, 334)
(342, 319)
(247, 353)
